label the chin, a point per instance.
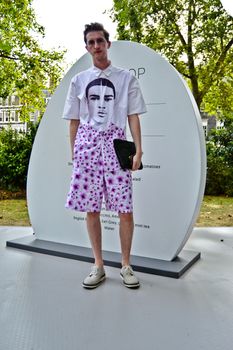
(100, 120)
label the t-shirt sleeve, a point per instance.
(136, 103)
(72, 103)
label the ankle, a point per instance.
(99, 264)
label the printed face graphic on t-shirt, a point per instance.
(100, 95)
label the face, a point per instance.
(100, 103)
(97, 45)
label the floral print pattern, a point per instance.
(97, 172)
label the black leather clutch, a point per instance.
(125, 150)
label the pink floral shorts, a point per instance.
(97, 173)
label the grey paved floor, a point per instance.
(44, 307)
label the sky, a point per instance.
(228, 5)
(64, 23)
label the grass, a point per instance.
(14, 212)
(13, 208)
(215, 211)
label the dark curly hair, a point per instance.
(101, 82)
(95, 27)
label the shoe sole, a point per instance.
(133, 286)
(92, 286)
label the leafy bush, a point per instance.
(15, 150)
(219, 148)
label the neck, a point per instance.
(102, 64)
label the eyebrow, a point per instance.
(100, 39)
(94, 95)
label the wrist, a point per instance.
(139, 153)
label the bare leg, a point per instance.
(126, 236)
(94, 231)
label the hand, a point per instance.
(137, 159)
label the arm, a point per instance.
(135, 129)
(74, 124)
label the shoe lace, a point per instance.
(129, 271)
(94, 271)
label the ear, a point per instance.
(109, 44)
(86, 47)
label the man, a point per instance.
(99, 103)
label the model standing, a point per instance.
(99, 103)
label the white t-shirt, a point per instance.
(101, 98)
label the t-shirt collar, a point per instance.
(107, 72)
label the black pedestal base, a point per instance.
(173, 269)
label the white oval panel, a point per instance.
(167, 192)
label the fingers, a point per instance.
(136, 164)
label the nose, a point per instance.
(96, 44)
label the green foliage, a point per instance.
(25, 69)
(220, 161)
(15, 150)
(195, 35)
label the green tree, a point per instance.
(195, 35)
(219, 148)
(15, 150)
(26, 69)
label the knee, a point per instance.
(93, 216)
(126, 217)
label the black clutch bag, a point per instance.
(125, 150)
